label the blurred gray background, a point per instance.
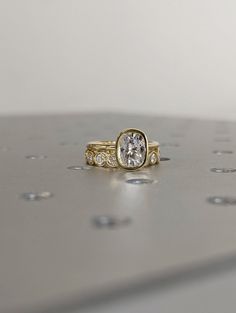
(168, 57)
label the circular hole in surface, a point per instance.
(219, 200)
(78, 167)
(36, 196)
(164, 159)
(108, 221)
(220, 152)
(223, 170)
(36, 157)
(140, 181)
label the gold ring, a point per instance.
(130, 151)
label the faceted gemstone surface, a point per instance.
(153, 158)
(100, 159)
(131, 149)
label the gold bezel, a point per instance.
(128, 130)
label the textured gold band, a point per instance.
(103, 153)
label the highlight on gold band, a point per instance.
(130, 151)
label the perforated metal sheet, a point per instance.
(87, 233)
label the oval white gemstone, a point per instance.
(153, 158)
(131, 149)
(100, 159)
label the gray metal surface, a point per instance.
(73, 236)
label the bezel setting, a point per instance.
(140, 149)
